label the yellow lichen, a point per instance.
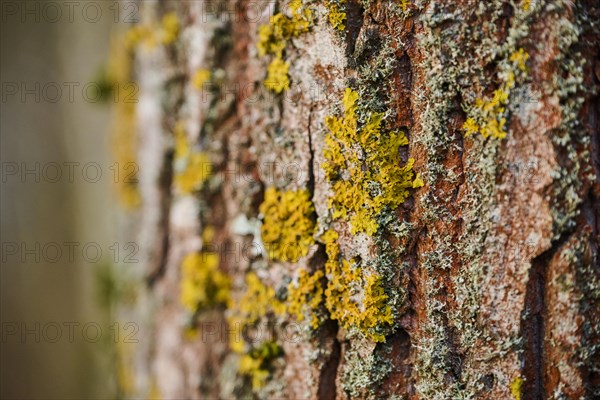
(123, 125)
(154, 392)
(363, 165)
(150, 35)
(208, 234)
(192, 168)
(354, 297)
(125, 367)
(516, 388)
(336, 16)
(519, 59)
(257, 301)
(255, 363)
(489, 116)
(277, 76)
(170, 27)
(273, 37)
(491, 111)
(140, 34)
(288, 226)
(306, 296)
(418, 182)
(203, 286)
(200, 78)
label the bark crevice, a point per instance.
(532, 329)
(165, 181)
(327, 379)
(533, 321)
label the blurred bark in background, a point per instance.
(483, 283)
(47, 289)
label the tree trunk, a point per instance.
(329, 265)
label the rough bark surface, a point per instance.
(493, 265)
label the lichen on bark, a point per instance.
(433, 166)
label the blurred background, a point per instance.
(58, 210)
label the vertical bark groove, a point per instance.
(532, 329)
(327, 378)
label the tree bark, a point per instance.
(491, 269)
